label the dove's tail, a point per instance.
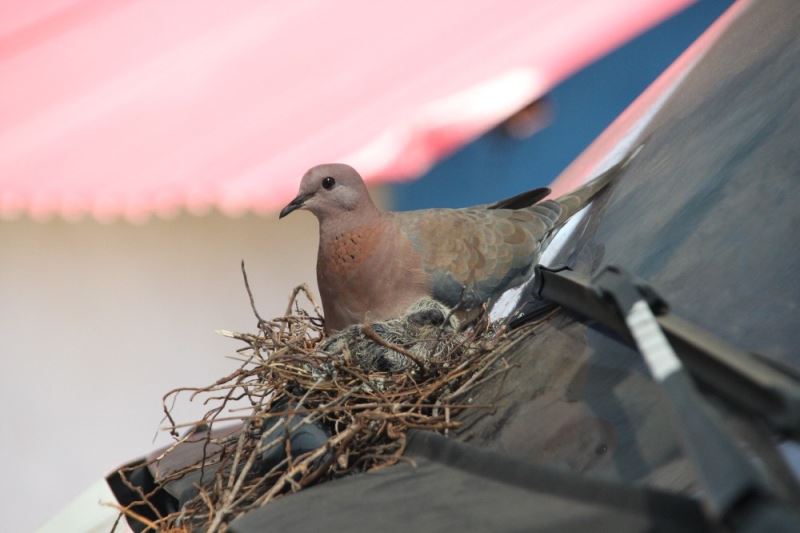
(573, 202)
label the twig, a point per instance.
(302, 465)
(133, 514)
(250, 296)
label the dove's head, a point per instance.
(330, 191)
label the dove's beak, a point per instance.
(297, 203)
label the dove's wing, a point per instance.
(473, 255)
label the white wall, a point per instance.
(98, 321)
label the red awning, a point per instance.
(139, 107)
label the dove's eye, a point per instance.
(328, 183)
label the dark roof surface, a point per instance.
(709, 211)
(455, 487)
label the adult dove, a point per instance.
(373, 264)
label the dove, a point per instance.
(373, 265)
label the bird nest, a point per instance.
(317, 408)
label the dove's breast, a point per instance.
(367, 273)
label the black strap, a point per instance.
(681, 513)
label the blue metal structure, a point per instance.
(497, 166)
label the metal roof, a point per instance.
(138, 108)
